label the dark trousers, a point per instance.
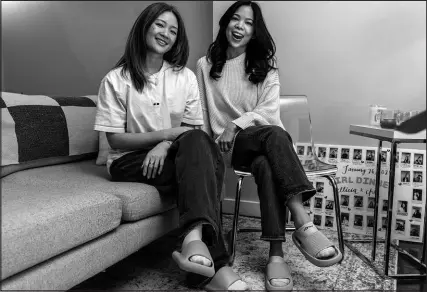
(193, 171)
(267, 152)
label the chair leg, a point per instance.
(337, 213)
(221, 214)
(235, 221)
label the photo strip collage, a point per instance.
(356, 185)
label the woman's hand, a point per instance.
(226, 138)
(154, 161)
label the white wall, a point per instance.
(345, 56)
(67, 47)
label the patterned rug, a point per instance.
(152, 268)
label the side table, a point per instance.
(394, 137)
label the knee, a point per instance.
(196, 134)
(195, 137)
(279, 131)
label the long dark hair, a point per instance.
(133, 59)
(260, 51)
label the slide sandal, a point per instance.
(277, 269)
(223, 279)
(310, 245)
(193, 248)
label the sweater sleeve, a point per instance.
(267, 110)
(202, 89)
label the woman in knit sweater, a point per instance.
(239, 86)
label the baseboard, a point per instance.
(247, 208)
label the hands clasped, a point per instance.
(225, 140)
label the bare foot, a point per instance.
(200, 260)
(301, 218)
(196, 234)
(277, 282)
(325, 253)
(276, 251)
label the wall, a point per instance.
(342, 55)
(65, 48)
(345, 56)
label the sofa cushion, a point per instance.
(66, 270)
(40, 130)
(39, 221)
(138, 200)
(66, 205)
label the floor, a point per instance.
(151, 268)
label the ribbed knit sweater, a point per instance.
(233, 98)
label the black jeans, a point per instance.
(267, 152)
(194, 171)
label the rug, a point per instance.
(152, 268)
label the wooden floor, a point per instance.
(404, 267)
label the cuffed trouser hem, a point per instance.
(306, 194)
(273, 238)
(213, 236)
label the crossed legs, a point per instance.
(269, 154)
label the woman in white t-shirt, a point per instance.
(240, 89)
(149, 107)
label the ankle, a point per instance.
(294, 201)
(300, 217)
(275, 249)
(194, 234)
(275, 254)
(298, 223)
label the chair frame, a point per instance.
(328, 174)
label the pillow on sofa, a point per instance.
(39, 130)
(104, 148)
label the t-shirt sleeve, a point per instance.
(111, 108)
(193, 110)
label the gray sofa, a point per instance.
(62, 219)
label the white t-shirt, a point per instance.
(169, 98)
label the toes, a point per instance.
(200, 260)
(279, 282)
(238, 285)
(326, 253)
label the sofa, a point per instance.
(62, 219)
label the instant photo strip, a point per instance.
(356, 184)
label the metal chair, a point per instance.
(295, 116)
